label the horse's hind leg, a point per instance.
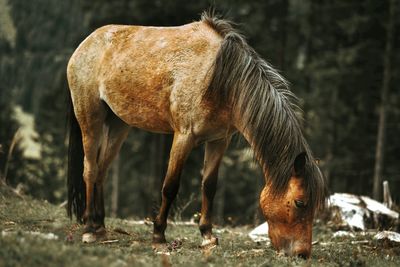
(91, 118)
(213, 155)
(114, 132)
(181, 146)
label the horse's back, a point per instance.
(151, 77)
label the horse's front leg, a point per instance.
(213, 155)
(181, 146)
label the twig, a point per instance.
(356, 242)
(14, 191)
(121, 231)
(63, 204)
(180, 210)
(109, 241)
(10, 150)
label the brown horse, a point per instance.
(202, 82)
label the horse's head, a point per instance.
(290, 214)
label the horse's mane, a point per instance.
(250, 85)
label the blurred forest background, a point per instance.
(341, 57)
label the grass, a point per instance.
(25, 224)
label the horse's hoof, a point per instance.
(209, 243)
(92, 235)
(88, 238)
(101, 232)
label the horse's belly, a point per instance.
(148, 110)
(147, 119)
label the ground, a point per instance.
(36, 233)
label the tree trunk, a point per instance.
(283, 35)
(380, 144)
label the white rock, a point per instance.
(390, 235)
(343, 234)
(351, 214)
(260, 233)
(354, 209)
(378, 207)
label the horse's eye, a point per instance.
(299, 203)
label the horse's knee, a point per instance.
(90, 172)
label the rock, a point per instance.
(390, 236)
(349, 211)
(260, 233)
(353, 212)
(343, 234)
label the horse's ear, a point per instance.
(299, 164)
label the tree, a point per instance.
(380, 143)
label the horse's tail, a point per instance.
(75, 183)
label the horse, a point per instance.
(201, 82)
